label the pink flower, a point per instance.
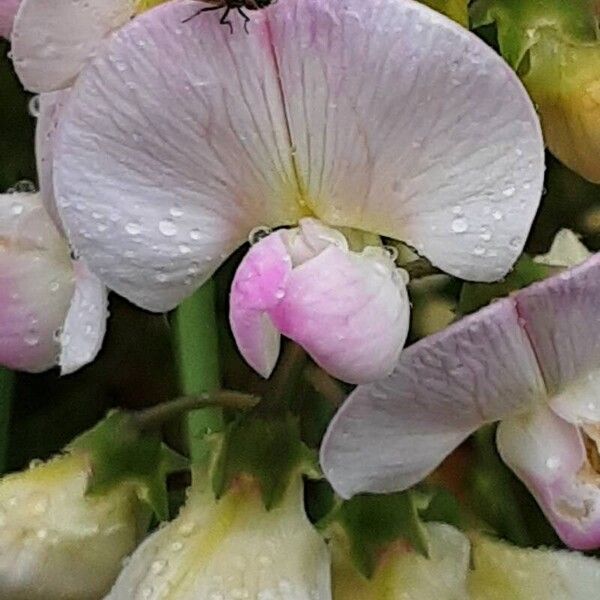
(180, 139)
(531, 361)
(52, 309)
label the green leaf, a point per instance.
(456, 10)
(266, 447)
(372, 523)
(520, 23)
(119, 452)
(474, 296)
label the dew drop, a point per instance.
(133, 228)
(158, 566)
(34, 107)
(509, 191)
(16, 209)
(22, 187)
(459, 225)
(167, 228)
(497, 214)
(259, 233)
(176, 212)
(31, 339)
(479, 251)
(184, 249)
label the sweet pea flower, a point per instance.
(530, 361)
(56, 542)
(53, 39)
(231, 548)
(180, 139)
(52, 309)
(8, 10)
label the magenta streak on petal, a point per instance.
(258, 287)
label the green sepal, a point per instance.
(119, 452)
(457, 10)
(374, 522)
(526, 271)
(267, 448)
(521, 23)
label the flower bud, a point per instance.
(504, 572)
(231, 548)
(403, 573)
(564, 82)
(56, 542)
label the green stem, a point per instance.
(156, 416)
(197, 351)
(7, 380)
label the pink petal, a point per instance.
(36, 284)
(8, 10)
(349, 311)
(53, 39)
(386, 103)
(176, 190)
(562, 321)
(50, 107)
(85, 324)
(548, 454)
(257, 288)
(390, 434)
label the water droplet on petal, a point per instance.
(133, 228)
(167, 228)
(459, 225)
(509, 191)
(34, 106)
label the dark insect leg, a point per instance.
(199, 12)
(246, 19)
(225, 21)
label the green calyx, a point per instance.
(522, 23)
(372, 524)
(266, 448)
(120, 452)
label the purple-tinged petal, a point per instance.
(36, 284)
(549, 455)
(386, 102)
(8, 10)
(53, 39)
(562, 320)
(348, 310)
(392, 433)
(85, 325)
(257, 288)
(50, 107)
(155, 199)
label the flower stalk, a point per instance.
(197, 352)
(6, 396)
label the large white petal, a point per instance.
(172, 148)
(52, 39)
(407, 125)
(390, 434)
